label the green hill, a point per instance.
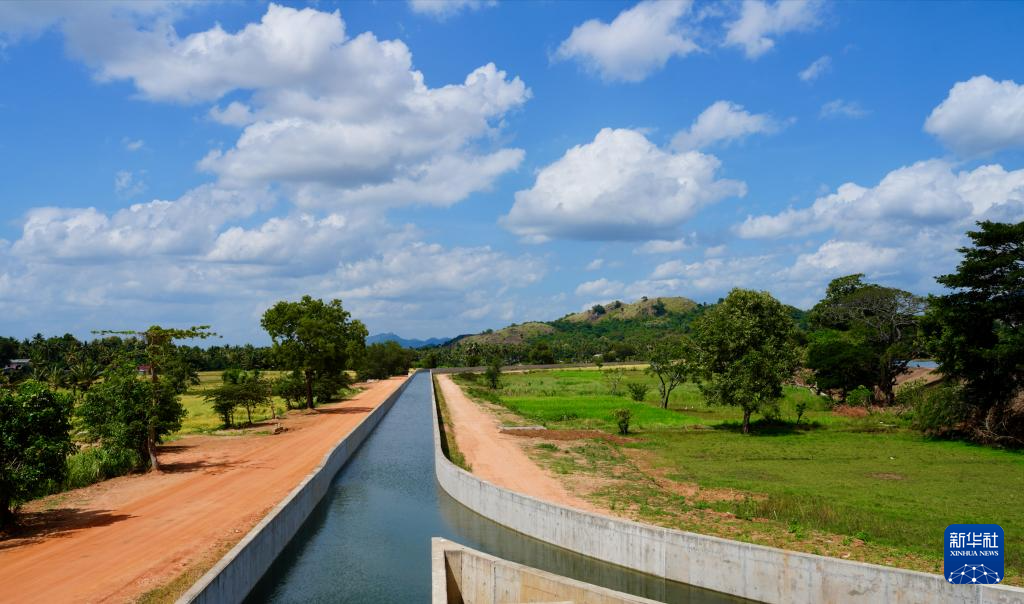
(616, 331)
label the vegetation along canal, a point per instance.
(369, 539)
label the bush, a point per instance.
(493, 374)
(622, 417)
(638, 391)
(859, 397)
(939, 411)
(801, 408)
(94, 464)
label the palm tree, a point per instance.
(83, 374)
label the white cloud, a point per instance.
(842, 108)
(430, 271)
(980, 116)
(638, 42)
(340, 126)
(140, 230)
(924, 195)
(662, 246)
(595, 264)
(601, 288)
(235, 114)
(133, 145)
(332, 118)
(618, 187)
(443, 9)
(836, 258)
(723, 121)
(760, 22)
(815, 70)
(127, 184)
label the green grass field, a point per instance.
(830, 480)
(201, 419)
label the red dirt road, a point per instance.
(116, 540)
(499, 458)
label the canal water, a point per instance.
(369, 539)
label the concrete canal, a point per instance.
(369, 539)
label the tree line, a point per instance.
(108, 403)
(856, 343)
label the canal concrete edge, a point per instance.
(757, 572)
(238, 571)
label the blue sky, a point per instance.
(444, 167)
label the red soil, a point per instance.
(116, 540)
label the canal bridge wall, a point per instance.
(760, 573)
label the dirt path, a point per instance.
(116, 540)
(497, 457)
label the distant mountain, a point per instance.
(405, 343)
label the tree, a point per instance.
(978, 328)
(385, 359)
(292, 388)
(746, 352)
(83, 374)
(35, 427)
(246, 389)
(125, 412)
(672, 365)
(493, 373)
(840, 361)
(884, 318)
(160, 355)
(614, 379)
(317, 339)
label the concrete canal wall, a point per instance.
(460, 575)
(751, 571)
(234, 576)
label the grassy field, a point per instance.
(863, 488)
(201, 419)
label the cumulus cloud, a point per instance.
(760, 22)
(815, 70)
(154, 228)
(595, 264)
(443, 9)
(662, 246)
(331, 117)
(842, 108)
(638, 42)
(601, 288)
(904, 230)
(724, 122)
(618, 187)
(922, 195)
(431, 271)
(980, 116)
(339, 125)
(835, 258)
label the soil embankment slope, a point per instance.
(497, 457)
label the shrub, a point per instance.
(94, 464)
(614, 380)
(859, 397)
(493, 374)
(622, 417)
(638, 391)
(939, 411)
(801, 408)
